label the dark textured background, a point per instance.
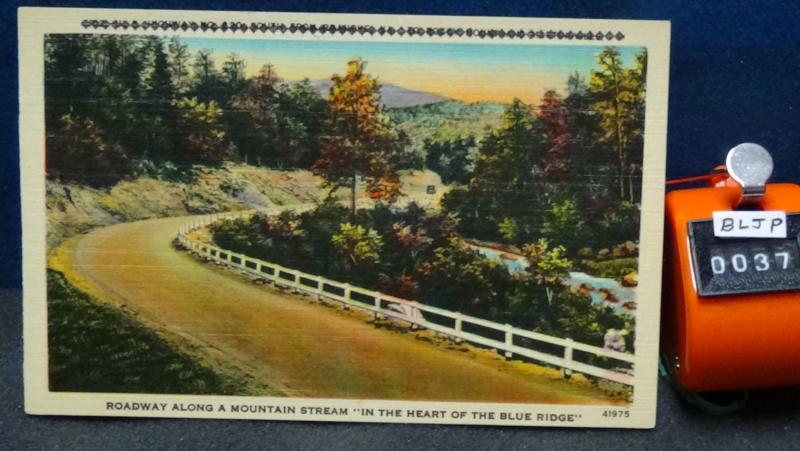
(735, 76)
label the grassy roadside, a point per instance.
(94, 347)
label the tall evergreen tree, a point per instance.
(302, 111)
(202, 137)
(206, 81)
(451, 159)
(638, 85)
(254, 118)
(66, 57)
(615, 99)
(179, 65)
(157, 120)
(233, 78)
(507, 183)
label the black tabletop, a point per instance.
(735, 77)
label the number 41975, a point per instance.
(617, 413)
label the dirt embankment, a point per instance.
(73, 209)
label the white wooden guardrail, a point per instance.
(381, 304)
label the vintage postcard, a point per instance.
(342, 217)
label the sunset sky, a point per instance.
(467, 72)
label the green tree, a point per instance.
(121, 58)
(620, 224)
(564, 224)
(458, 278)
(638, 84)
(179, 57)
(207, 83)
(361, 140)
(359, 246)
(156, 115)
(255, 119)
(202, 138)
(451, 159)
(576, 317)
(232, 76)
(509, 229)
(66, 58)
(158, 82)
(548, 266)
(591, 170)
(507, 180)
(619, 97)
(302, 114)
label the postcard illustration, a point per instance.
(342, 217)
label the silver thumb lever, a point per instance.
(751, 166)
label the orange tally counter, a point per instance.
(733, 341)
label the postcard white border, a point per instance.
(34, 23)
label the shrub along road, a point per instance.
(290, 342)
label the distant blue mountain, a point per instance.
(392, 96)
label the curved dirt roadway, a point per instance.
(304, 348)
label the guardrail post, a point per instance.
(296, 281)
(568, 358)
(413, 314)
(509, 340)
(376, 316)
(347, 299)
(457, 327)
(320, 288)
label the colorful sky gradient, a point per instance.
(466, 72)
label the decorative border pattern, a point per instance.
(332, 29)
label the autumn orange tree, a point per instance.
(361, 140)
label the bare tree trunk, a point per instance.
(630, 184)
(618, 126)
(620, 153)
(353, 195)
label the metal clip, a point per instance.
(751, 166)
